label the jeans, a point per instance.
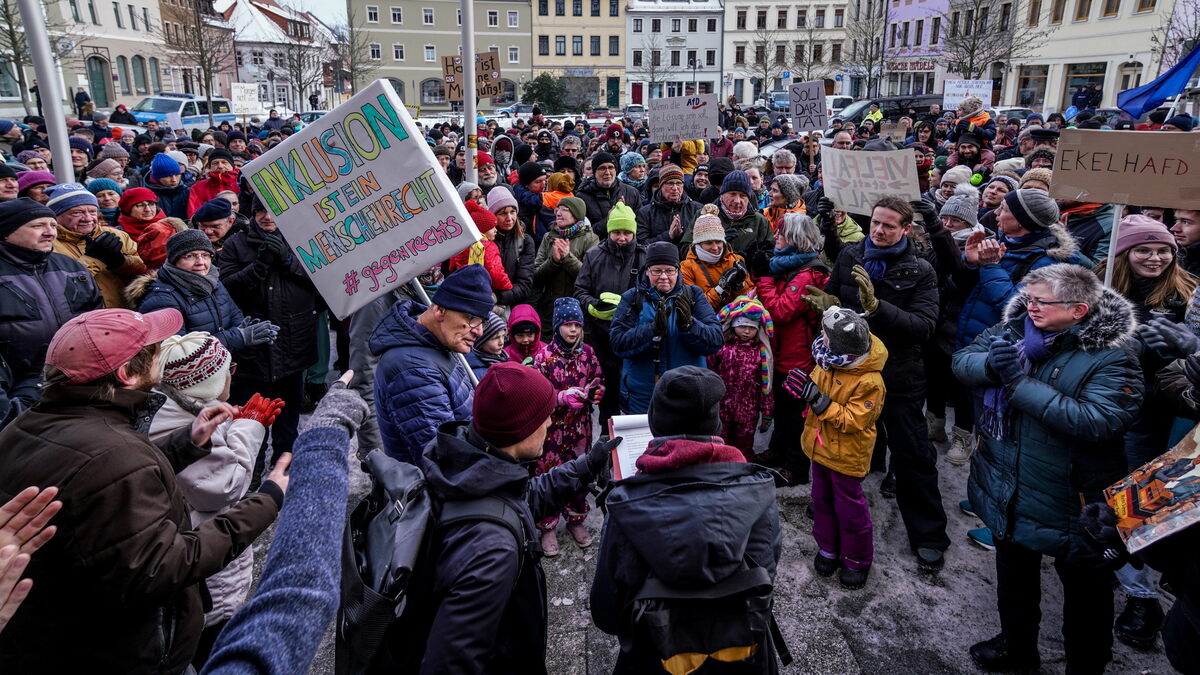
(789, 425)
(841, 518)
(1087, 606)
(1136, 583)
(914, 461)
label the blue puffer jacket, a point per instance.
(419, 384)
(996, 285)
(217, 313)
(1063, 432)
(632, 338)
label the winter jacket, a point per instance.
(485, 608)
(906, 316)
(743, 236)
(419, 384)
(279, 292)
(600, 200)
(1063, 428)
(842, 437)
(538, 218)
(517, 255)
(556, 278)
(989, 288)
(646, 359)
(721, 147)
(986, 160)
(520, 314)
(654, 219)
(209, 187)
(1189, 257)
(796, 322)
(774, 213)
(699, 273)
(151, 237)
(606, 268)
(110, 282)
(172, 201)
(729, 513)
(210, 486)
(215, 313)
(981, 125)
(483, 252)
(39, 292)
(122, 577)
(1091, 227)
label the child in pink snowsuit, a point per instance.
(745, 364)
(574, 370)
(524, 334)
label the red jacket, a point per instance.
(489, 257)
(208, 188)
(796, 323)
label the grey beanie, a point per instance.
(465, 188)
(791, 186)
(962, 207)
(182, 243)
(1033, 209)
(846, 331)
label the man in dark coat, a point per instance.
(670, 212)
(1187, 234)
(600, 192)
(123, 575)
(81, 100)
(898, 290)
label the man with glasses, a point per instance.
(419, 382)
(108, 253)
(669, 212)
(602, 191)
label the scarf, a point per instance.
(789, 259)
(1015, 243)
(136, 227)
(1033, 348)
(631, 182)
(878, 259)
(827, 359)
(109, 216)
(734, 216)
(489, 360)
(565, 347)
(187, 281)
(706, 257)
(571, 232)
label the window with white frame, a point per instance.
(256, 58)
(397, 52)
(376, 51)
(637, 25)
(427, 16)
(514, 54)
(372, 14)
(712, 26)
(493, 18)
(397, 15)
(514, 20)
(675, 23)
(430, 53)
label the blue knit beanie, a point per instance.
(162, 166)
(629, 160)
(468, 290)
(98, 185)
(567, 310)
(79, 143)
(737, 181)
(66, 196)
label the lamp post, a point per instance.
(693, 64)
(271, 78)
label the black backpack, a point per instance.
(387, 539)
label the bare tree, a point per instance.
(867, 35)
(303, 64)
(1178, 34)
(766, 58)
(198, 37)
(805, 66)
(354, 52)
(981, 33)
(65, 37)
(651, 64)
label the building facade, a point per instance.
(408, 38)
(914, 47)
(584, 42)
(674, 48)
(179, 30)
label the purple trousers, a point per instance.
(841, 517)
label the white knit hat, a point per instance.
(708, 226)
(195, 364)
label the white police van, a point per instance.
(192, 110)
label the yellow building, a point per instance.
(582, 41)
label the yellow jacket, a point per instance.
(874, 116)
(843, 437)
(110, 282)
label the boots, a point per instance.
(961, 447)
(579, 533)
(996, 655)
(937, 427)
(1139, 623)
(549, 543)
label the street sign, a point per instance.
(838, 78)
(787, 75)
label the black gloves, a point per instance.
(683, 311)
(107, 249)
(825, 209)
(928, 214)
(760, 263)
(599, 459)
(731, 281)
(1005, 360)
(661, 316)
(1099, 521)
(1169, 338)
(1191, 368)
(800, 385)
(274, 249)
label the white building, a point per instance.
(674, 48)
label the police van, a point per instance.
(192, 110)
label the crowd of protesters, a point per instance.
(160, 341)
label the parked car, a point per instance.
(312, 116)
(834, 105)
(515, 110)
(1012, 113)
(635, 111)
(192, 111)
(892, 107)
(1110, 116)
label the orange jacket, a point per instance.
(699, 273)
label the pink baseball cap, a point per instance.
(96, 343)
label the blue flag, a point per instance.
(1152, 94)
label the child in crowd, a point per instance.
(845, 394)
(483, 252)
(525, 331)
(573, 369)
(489, 346)
(471, 192)
(561, 185)
(745, 364)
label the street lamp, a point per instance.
(271, 78)
(694, 64)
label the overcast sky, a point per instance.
(332, 12)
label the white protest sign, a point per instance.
(806, 105)
(361, 201)
(1128, 167)
(175, 121)
(956, 90)
(856, 180)
(687, 117)
(243, 99)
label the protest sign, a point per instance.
(452, 72)
(856, 180)
(956, 90)
(1128, 167)
(361, 201)
(243, 99)
(683, 117)
(893, 131)
(487, 75)
(806, 105)
(1161, 497)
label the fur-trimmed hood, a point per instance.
(138, 288)
(1109, 325)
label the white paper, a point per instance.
(683, 118)
(635, 434)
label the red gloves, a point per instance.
(261, 410)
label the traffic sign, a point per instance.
(787, 75)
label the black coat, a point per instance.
(905, 319)
(517, 256)
(606, 268)
(600, 201)
(654, 219)
(280, 293)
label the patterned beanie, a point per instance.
(970, 105)
(491, 328)
(66, 196)
(103, 168)
(630, 160)
(567, 310)
(708, 225)
(195, 364)
(746, 311)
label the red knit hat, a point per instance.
(483, 159)
(484, 220)
(136, 195)
(614, 131)
(511, 402)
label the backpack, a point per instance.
(386, 546)
(727, 627)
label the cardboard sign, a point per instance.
(452, 74)
(687, 117)
(361, 201)
(243, 98)
(1160, 497)
(856, 180)
(1161, 168)
(956, 90)
(893, 130)
(806, 106)
(487, 75)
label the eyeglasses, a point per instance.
(1147, 253)
(664, 273)
(472, 320)
(196, 255)
(1031, 301)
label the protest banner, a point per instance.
(806, 106)
(893, 131)
(1128, 167)
(856, 180)
(243, 99)
(956, 90)
(683, 117)
(361, 201)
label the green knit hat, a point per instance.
(575, 205)
(621, 218)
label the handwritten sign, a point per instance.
(1128, 167)
(806, 105)
(243, 99)
(452, 72)
(893, 130)
(687, 117)
(487, 76)
(956, 90)
(361, 200)
(856, 180)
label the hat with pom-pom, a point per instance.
(746, 311)
(485, 221)
(196, 364)
(708, 225)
